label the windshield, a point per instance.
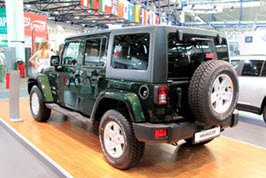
(186, 55)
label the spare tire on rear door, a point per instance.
(213, 92)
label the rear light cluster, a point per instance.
(210, 55)
(160, 133)
(161, 94)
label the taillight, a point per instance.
(161, 94)
(160, 133)
(210, 55)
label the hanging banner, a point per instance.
(144, 16)
(137, 13)
(102, 5)
(114, 7)
(150, 18)
(130, 11)
(85, 3)
(126, 3)
(35, 23)
(163, 20)
(157, 20)
(108, 6)
(120, 6)
(95, 4)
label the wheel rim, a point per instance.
(35, 105)
(222, 93)
(114, 141)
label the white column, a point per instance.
(14, 96)
(15, 26)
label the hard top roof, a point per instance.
(150, 27)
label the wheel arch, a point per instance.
(128, 102)
(43, 84)
(263, 104)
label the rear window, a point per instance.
(131, 51)
(186, 55)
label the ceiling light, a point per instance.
(93, 21)
(83, 25)
(107, 16)
(89, 11)
(28, 6)
(56, 12)
(67, 21)
(76, 17)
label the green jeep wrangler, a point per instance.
(141, 84)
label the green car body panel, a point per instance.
(44, 85)
(130, 99)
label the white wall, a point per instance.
(258, 44)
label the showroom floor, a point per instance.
(250, 129)
(82, 156)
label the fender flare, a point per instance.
(131, 100)
(44, 85)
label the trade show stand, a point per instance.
(74, 147)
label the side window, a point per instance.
(131, 51)
(263, 72)
(72, 53)
(252, 68)
(95, 51)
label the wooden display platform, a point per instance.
(77, 150)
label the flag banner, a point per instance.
(95, 4)
(130, 11)
(126, 8)
(114, 7)
(144, 16)
(102, 5)
(163, 20)
(108, 6)
(157, 18)
(85, 3)
(151, 18)
(140, 15)
(137, 13)
(120, 6)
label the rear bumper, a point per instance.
(144, 132)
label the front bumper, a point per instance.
(144, 132)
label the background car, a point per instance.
(251, 72)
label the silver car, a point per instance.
(251, 72)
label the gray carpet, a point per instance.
(251, 129)
(17, 161)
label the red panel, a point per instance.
(35, 23)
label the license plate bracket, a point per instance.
(206, 135)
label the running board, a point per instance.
(71, 114)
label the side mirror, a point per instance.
(54, 61)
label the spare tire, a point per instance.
(213, 92)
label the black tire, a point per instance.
(133, 150)
(201, 88)
(44, 113)
(264, 114)
(189, 142)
